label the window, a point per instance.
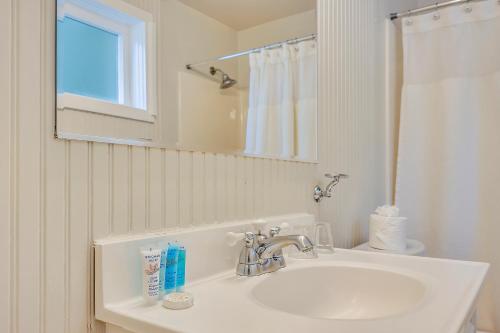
(105, 59)
(89, 56)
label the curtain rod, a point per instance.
(438, 5)
(266, 47)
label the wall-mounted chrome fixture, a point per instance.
(318, 191)
(227, 81)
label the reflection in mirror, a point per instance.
(265, 91)
(105, 70)
(234, 76)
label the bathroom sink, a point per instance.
(340, 292)
(347, 291)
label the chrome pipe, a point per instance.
(254, 50)
(436, 6)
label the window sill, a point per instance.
(67, 101)
(103, 139)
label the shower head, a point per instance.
(227, 81)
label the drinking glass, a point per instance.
(323, 238)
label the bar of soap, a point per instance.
(178, 301)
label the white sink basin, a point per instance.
(347, 291)
(340, 292)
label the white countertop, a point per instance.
(224, 303)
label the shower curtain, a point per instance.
(281, 119)
(448, 172)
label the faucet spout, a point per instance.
(263, 254)
(271, 246)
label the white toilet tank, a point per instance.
(413, 248)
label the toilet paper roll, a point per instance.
(388, 233)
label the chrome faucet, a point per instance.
(262, 254)
(327, 193)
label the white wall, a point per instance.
(422, 3)
(210, 117)
(187, 36)
(297, 25)
(351, 122)
(57, 196)
(391, 6)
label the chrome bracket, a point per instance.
(319, 193)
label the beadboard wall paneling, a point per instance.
(352, 114)
(7, 133)
(56, 196)
(353, 122)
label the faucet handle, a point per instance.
(233, 238)
(249, 239)
(274, 231)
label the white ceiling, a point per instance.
(243, 14)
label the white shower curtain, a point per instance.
(448, 173)
(281, 119)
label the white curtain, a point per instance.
(281, 119)
(448, 173)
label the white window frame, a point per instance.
(136, 91)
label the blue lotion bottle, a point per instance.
(181, 269)
(163, 266)
(171, 268)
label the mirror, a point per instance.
(224, 76)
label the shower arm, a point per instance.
(214, 71)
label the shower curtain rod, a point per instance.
(438, 5)
(266, 47)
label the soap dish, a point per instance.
(178, 301)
